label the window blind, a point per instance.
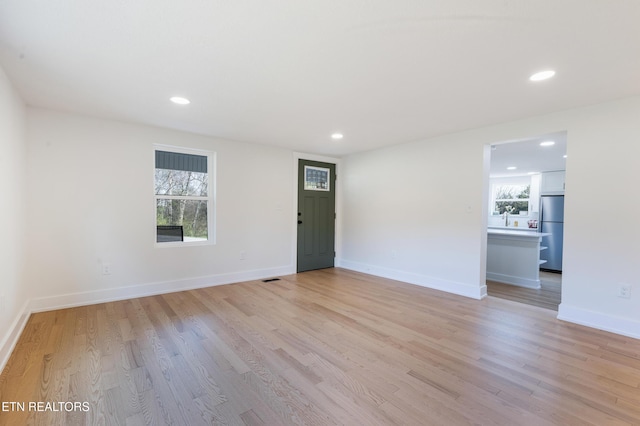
(178, 161)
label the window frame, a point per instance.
(210, 198)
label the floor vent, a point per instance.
(271, 279)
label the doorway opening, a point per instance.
(525, 205)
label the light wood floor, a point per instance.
(322, 347)
(548, 296)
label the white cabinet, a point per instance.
(552, 183)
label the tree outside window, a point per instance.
(516, 196)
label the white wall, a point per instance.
(13, 165)
(414, 211)
(91, 186)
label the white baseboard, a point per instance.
(509, 279)
(13, 334)
(613, 324)
(122, 293)
(462, 289)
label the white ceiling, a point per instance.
(528, 156)
(290, 72)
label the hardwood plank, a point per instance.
(322, 347)
(548, 296)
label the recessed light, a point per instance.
(337, 136)
(564, 156)
(532, 173)
(547, 143)
(542, 75)
(180, 101)
(511, 168)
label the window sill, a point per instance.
(192, 242)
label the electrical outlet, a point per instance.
(243, 255)
(106, 269)
(625, 291)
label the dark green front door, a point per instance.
(316, 215)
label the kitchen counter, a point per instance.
(513, 256)
(516, 232)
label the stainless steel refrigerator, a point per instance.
(552, 221)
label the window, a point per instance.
(516, 196)
(183, 193)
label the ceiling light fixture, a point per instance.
(337, 136)
(511, 168)
(547, 143)
(180, 101)
(542, 75)
(564, 156)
